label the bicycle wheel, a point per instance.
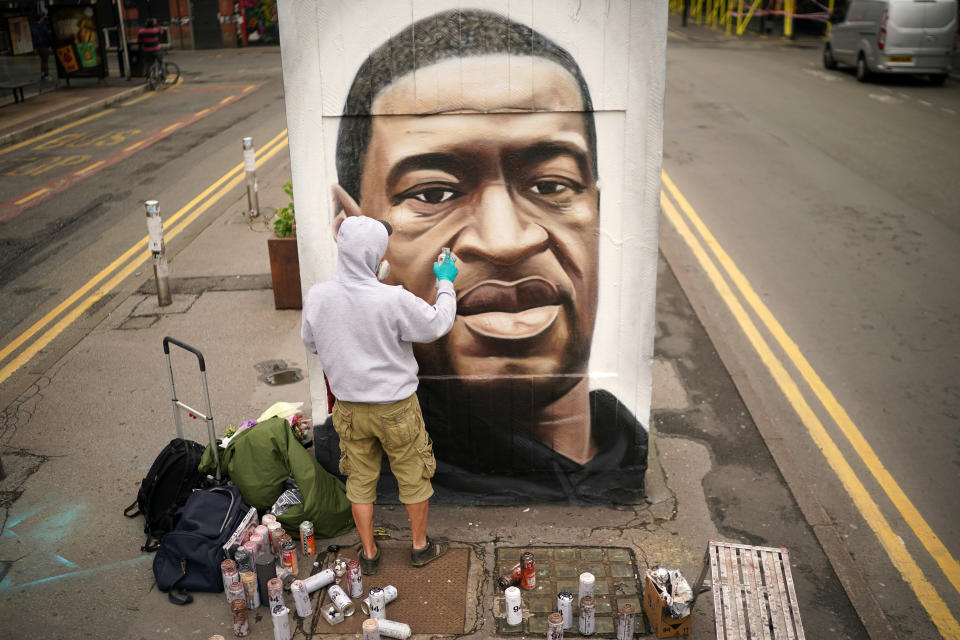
(171, 73)
(154, 77)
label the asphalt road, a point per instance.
(837, 201)
(71, 200)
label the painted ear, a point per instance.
(344, 205)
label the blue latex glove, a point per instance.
(446, 271)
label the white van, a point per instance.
(894, 36)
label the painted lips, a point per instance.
(510, 310)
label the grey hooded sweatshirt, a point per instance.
(364, 330)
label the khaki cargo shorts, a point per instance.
(368, 430)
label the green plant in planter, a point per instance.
(284, 220)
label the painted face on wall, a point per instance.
(502, 175)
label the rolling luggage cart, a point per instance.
(193, 413)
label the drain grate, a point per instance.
(558, 569)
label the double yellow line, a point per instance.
(894, 547)
(65, 313)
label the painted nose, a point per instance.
(499, 231)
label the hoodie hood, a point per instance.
(361, 245)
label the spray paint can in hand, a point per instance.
(371, 630)
(301, 599)
(588, 616)
(554, 627)
(281, 623)
(513, 603)
(354, 579)
(625, 622)
(565, 608)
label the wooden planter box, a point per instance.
(285, 272)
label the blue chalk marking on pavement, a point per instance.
(58, 525)
(65, 561)
(6, 584)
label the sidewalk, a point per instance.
(77, 444)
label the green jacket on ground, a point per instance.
(259, 459)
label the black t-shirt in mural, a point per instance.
(481, 460)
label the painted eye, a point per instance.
(548, 187)
(434, 195)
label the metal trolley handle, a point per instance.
(177, 404)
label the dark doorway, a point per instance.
(206, 24)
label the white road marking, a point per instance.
(885, 98)
(823, 75)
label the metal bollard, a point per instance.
(250, 168)
(161, 269)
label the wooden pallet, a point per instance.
(753, 593)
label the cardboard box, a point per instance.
(661, 622)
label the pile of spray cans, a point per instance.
(265, 562)
(523, 575)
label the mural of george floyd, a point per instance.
(526, 138)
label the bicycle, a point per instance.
(161, 75)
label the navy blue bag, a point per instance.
(189, 557)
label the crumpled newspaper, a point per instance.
(674, 589)
(290, 497)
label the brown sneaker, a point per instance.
(433, 550)
(368, 566)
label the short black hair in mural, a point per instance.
(450, 34)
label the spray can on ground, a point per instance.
(510, 578)
(565, 608)
(389, 595)
(371, 630)
(625, 622)
(554, 627)
(587, 581)
(281, 623)
(341, 600)
(288, 556)
(308, 544)
(301, 599)
(354, 579)
(528, 569)
(243, 559)
(275, 593)
(377, 603)
(249, 581)
(588, 616)
(393, 629)
(514, 605)
(241, 623)
(228, 569)
(319, 580)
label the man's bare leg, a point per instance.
(363, 518)
(418, 523)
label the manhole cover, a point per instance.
(558, 569)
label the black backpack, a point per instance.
(189, 557)
(173, 475)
